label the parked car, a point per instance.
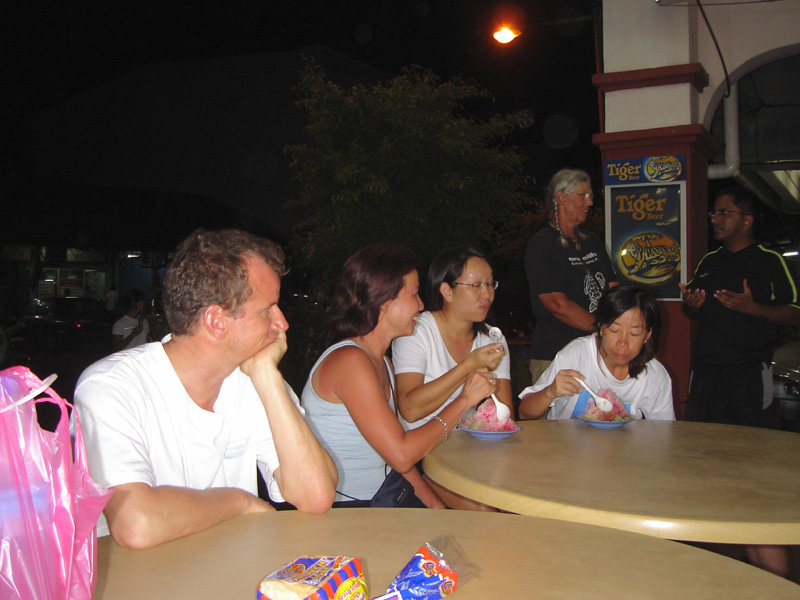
(58, 323)
(786, 385)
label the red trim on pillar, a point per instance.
(693, 73)
(695, 134)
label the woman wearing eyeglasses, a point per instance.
(568, 270)
(451, 342)
(451, 345)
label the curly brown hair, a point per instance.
(209, 267)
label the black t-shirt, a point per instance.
(582, 271)
(726, 337)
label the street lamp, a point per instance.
(505, 35)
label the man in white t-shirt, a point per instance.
(131, 329)
(177, 429)
(111, 299)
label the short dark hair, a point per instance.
(742, 198)
(447, 267)
(619, 300)
(132, 298)
(369, 278)
(209, 267)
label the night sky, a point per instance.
(59, 49)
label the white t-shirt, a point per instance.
(140, 425)
(125, 325)
(425, 352)
(653, 386)
(111, 300)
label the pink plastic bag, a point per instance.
(49, 505)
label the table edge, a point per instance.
(688, 530)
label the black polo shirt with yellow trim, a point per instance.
(726, 337)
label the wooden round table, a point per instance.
(519, 557)
(677, 480)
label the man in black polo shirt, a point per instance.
(741, 293)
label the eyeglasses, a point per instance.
(724, 212)
(479, 285)
(585, 195)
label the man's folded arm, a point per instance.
(140, 516)
(307, 475)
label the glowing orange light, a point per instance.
(505, 35)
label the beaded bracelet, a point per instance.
(446, 428)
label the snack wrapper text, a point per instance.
(315, 578)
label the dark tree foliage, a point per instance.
(405, 161)
(414, 160)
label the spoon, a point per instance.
(634, 409)
(501, 409)
(601, 402)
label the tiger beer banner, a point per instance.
(645, 225)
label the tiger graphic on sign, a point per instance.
(649, 257)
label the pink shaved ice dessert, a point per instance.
(485, 419)
(617, 413)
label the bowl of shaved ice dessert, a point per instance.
(586, 410)
(483, 423)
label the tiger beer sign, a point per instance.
(645, 224)
(658, 169)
